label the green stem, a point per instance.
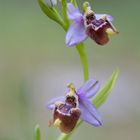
(64, 136)
(37, 132)
(67, 136)
(81, 50)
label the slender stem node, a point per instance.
(81, 50)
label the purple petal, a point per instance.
(76, 34)
(89, 113)
(73, 13)
(51, 103)
(89, 89)
(99, 16)
(67, 90)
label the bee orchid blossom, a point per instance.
(96, 26)
(75, 105)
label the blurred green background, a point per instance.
(35, 66)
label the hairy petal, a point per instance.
(89, 89)
(73, 13)
(89, 113)
(76, 34)
(51, 103)
(100, 16)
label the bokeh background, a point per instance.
(35, 66)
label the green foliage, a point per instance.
(52, 13)
(103, 94)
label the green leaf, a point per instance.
(52, 13)
(103, 94)
(37, 132)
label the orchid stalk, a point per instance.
(81, 50)
(77, 104)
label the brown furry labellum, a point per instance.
(66, 114)
(97, 29)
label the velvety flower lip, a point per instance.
(76, 34)
(89, 113)
(80, 30)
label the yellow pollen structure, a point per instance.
(72, 91)
(71, 87)
(110, 32)
(57, 123)
(87, 8)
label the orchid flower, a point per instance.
(96, 26)
(75, 105)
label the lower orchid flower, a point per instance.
(96, 26)
(75, 105)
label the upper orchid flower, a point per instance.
(74, 105)
(97, 26)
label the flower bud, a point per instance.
(51, 3)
